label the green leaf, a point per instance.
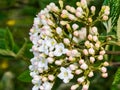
(22, 50)
(25, 76)
(10, 39)
(117, 77)
(7, 53)
(118, 29)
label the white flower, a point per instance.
(59, 49)
(47, 85)
(66, 74)
(35, 87)
(58, 30)
(43, 63)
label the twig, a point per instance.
(115, 64)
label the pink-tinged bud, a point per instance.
(68, 7)
(51, 54)
(74, 52)
(107, 12)
(64, 12)
(41, 88)
(74, 87)
(79, 9)
(71, 58)
(32, 30)
(71, 17)
(91, 45)
(81, 79)
(105, 18)
(84, 3)
(58, 62)
(63, 15)
(66, 41)
(92, 59)
(78, 14)
(73, 67)
(91, 74)
(93, 8)
(75, 26)
(81, 61)
(104, 75)
(72, 9)
(50, 60)
(106, 64)
(44, 79)
(85, 51)
(91, 51)
(97, 45)
(68, 53)
(63, 22)
(85, 87)
(51, 77)
(87, 43)
(102, 52)
(78, 71)
(90, 37)
(84, 66)
(76, 33)
(58, 30)
(94, 31)
(103, 69)
(100, 57)
(95, 38)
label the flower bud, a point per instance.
(93, 9)
(90, 37)
(58, 30)
(58, 62)
(71, 17)
(78, 71)
(71, 58)
(72, 67)
(105, 18)
(92, 59)
(91, 51)
(85, 87)
(103, 69)
(75, 26)
(50, 60)
(72, 9)
(105, 63)
(81, 79)
(81, 61)
(95, 38)
(66, 41)
(68, 53)
(100, 57)
(68, 7)
(75, 33)
(84, 66)
(104, 75)
(74, 87)
(63, 23)
(44, 79)
(91, 74)
(102, 52)
(87, 43)
(78, 14)
(85, 51)
(51, 54)
(51, 77)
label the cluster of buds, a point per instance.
(58, 47)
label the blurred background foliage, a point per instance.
(16, 18)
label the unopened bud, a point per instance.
(106, 64)
(95, 38)
(84, 66)
(75, 26)
(66, 41)
(74, 87)
(78, 71)
(85, 51)
(104, 75)
(105, 18)
(91, 51)
(100, 57)
(91, 74)
(103, 69)
(51, 77)
(92, 59)
(102, 52)
(90, 37)
(93, 9)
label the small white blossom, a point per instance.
(66, 74)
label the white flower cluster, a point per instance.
(57, 36)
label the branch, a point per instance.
(113, 52)
(115, 64)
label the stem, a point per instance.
(113, 52)
(115, 64)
